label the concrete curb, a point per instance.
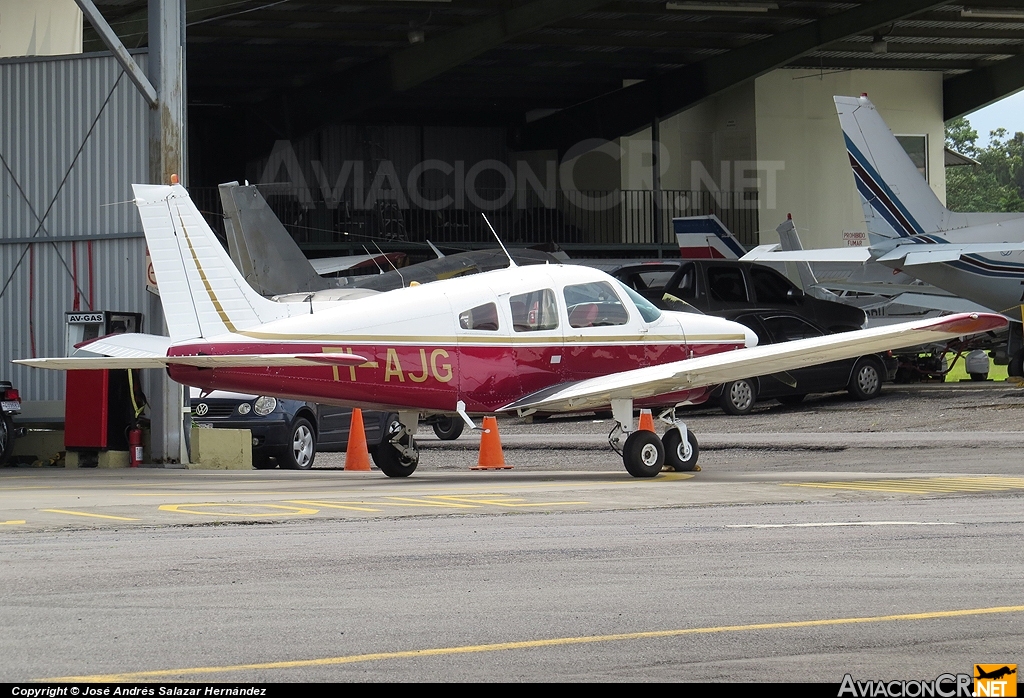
(794, 441)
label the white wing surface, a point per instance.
(74, 363)
(769, 253)
(756, 361)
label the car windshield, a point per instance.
(648, 311)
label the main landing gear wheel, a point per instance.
(682, 457)
(643, 454)
(397, 454)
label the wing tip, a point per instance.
(969, 323)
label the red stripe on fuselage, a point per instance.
(432, 377)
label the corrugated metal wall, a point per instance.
(73, 139)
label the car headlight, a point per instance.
(245, 407)
(264, 405)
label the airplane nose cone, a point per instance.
(750, 337)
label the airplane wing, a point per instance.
(768, 253)
(74, 363)
(683, 375)
(329, 265)
(932, 254)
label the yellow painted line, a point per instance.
(82, 513)
(920, 485)
(501, 500)
(281, 509)
(533, 644)
(333, 505)
(10, 523)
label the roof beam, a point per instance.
(632, 108)
(135, 73)
(970, 91)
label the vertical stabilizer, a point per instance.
(202, 293)
(261, 248)
(705, 237)
(897, 200)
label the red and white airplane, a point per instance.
(546, 337)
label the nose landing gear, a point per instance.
(643, 453)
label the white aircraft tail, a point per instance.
(897, 200)
(202, 293)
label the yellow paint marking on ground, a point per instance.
(532, 644)
(331, 505)
(431, 503)
(82, 513)
(931, 485)
(282, 510)
(11, 523)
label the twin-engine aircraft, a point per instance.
(552, 338)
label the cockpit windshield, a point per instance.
(648, 311)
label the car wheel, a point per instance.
(866, 381)
(6, 439)
(676, 451)
(738, 397)
(448, 428)
(791, 399)
(301, 446)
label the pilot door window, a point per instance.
(594, 305)
(534, 311)
(482, 317)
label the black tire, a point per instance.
(391, 461)
(791, 399)
(738, 397)
(6, 439)
(301, 446)
(979, 376)
(866, 380)
(643, 454)
(448, 428)
(1016, 365)
(675, 453)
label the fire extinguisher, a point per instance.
(135, 445)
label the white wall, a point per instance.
(39, 28)
(797, 123)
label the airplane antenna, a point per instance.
(439, 253)
(373, 259)
(391, 263)
(511, 262)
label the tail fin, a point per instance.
(705, 237)
(260, 246)
(202, 293)
(897, 200)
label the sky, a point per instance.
(1007, 113)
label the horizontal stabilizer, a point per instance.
(935, 254)
(74, 363)
(767, 253)
(595, 393)
(128, 345)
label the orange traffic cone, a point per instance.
(491, 457)
(646, 421)
(357, 457)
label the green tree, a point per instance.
(996, 183)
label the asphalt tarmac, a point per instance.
(879, 539)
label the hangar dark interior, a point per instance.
(486, 78)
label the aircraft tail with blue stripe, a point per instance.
(897, 201)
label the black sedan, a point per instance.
(285, 432)
(862, 376)
(721, 285)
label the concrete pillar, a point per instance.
(167, 156)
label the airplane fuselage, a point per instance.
(467, 339)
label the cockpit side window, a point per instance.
(594, 305)
(534, 311)
(482, 317)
